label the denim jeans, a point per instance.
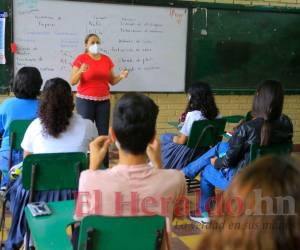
(17, 157)
(211, 177)
(195, 167)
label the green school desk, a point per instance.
(173, 124)
(49, 232)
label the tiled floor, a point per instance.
(7, 222)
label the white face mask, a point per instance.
(94, 49)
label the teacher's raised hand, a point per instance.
(124, 73)
(114, 79)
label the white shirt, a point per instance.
(192, 116)
(76, 138)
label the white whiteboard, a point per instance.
(150, 41)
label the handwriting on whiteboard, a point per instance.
(177, 14)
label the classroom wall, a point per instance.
(240, 104)
(171, 105)
(279, 3)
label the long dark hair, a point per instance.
(56, 106)
(260, 209)
(202, 99)
(268, 104)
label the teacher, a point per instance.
(94, 72)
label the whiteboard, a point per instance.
(150, 41)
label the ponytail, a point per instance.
(265, 133)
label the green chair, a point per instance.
(17, 131)
(277, 149)
(248, 116)
(204, 135)
(234, 118)
(56, 171)
(109, 233)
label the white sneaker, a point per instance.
(203, 218)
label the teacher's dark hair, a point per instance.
(56, 107)
(202, 99)
(86, 39)
(134, 122)
(27, 83)
(268, 104)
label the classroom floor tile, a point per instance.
(190, 242)
(7, 222)
(177, 244)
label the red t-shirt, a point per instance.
(94, 83)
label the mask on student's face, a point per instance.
(94, 49)
(189, 97)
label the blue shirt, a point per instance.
(15, 109)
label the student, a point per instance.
(201, 106)
(23, 106)
(94, 72)
(56, 130)
(267, 214)
(222, 162)
(133, 131)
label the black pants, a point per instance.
(98, 112)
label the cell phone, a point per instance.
(39, 208)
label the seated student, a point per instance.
(201, 106)
(23, 106)
(133, 131)
(266, 215)
(56, 130)
(222, 162)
